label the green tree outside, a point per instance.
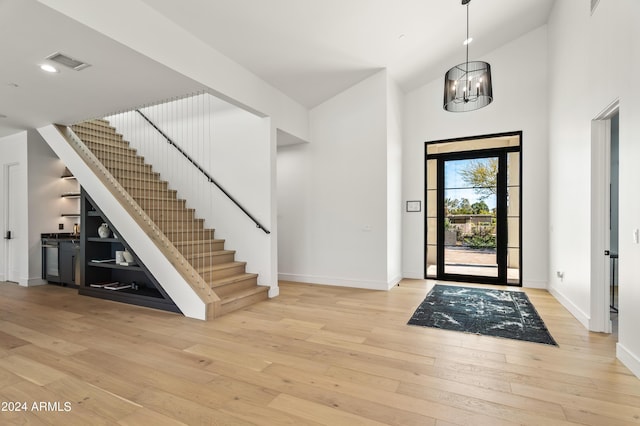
(482, 176)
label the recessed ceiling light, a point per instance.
(467, 41)
(401, 36)
(48, 68)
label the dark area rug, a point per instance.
(490, 312)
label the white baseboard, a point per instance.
(413, 275)
(570, 306)
(335, 281)
(534, 284)
(630, 360)
(274, 291)
(393, 282)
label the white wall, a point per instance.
(293, 189)
(605, 45)
(39, 201)
(332, 193)
(518, 66)
(395, 100)
(13, 149)
(570, 158)
(629, 317)
(44, 202)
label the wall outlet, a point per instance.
(560, 274)
(60, 226)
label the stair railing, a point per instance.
(138, 214)
(203, 171)
(166, 156)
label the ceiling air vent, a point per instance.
(594, 4)
(67, 61)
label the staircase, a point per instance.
(207, 255)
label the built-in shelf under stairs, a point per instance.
(216, 265)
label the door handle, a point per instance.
(7, 235)
(607, 252)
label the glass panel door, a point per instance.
(513, 217)
(473, 220)
(470, 189)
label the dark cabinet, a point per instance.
(69, 261)
(102, 276)
(61, 259)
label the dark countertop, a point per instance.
(60, 236)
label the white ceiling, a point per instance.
(309, 49)
(117, 79)
(314, 49)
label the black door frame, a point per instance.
(501, 214)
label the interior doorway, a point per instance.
(613, 221)
(11, 232)
(473, 223)
(605, 258)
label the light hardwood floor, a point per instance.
(314, 355)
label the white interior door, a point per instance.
(11, 231)
(601, 220)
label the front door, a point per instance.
(472, 200)
(473, 209)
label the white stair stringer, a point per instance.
(172, 271)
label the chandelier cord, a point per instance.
(466, 62)
(467, 39)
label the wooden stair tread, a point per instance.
(194, 231)
(232, 279)
(94, 127)
(152, 198)
(141, 183)
(159, 199)
(144, 177)
(101, 143)
(122, 159)
(209, 241)
(106, 136)
(244, 293)
(117, 148)
(96, 121)
(221, 266)
(186, 232)
(201, 255)
(129, 166)
(171, 209)
(169, 220)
